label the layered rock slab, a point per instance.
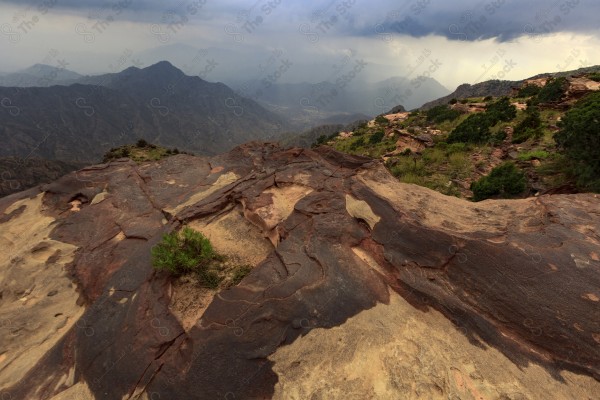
(336, 238)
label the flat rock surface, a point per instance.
(362, 287)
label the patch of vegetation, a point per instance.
(501, 111)
(381, 120)
(142, 151)
(534, 155)
(323, 139)
(529, 91)
(594, 76)
(476, 128)
(376, 137)
(240, 273)
(457, 148)
(529, 127)
(357, 144)
(190, 252)
(555, 170)
(442, 113)
(553, 91)
(505, 181)
(579, 137)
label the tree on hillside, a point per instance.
(580, 138)
(442, 113)
(476, 128)
(553, 91)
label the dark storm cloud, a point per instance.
(463, 20)
(503, 20)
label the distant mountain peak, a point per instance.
(163, 67)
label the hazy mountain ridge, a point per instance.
(358, 97)
(81, 122)
(40, 75)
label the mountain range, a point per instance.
(80, 122)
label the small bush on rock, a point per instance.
(187, 251)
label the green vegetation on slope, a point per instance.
(529, 127)
(508, 150)
(476, 128)
(580, 138)
(442, 113)
(553, 91)
(142, 151)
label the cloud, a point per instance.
(394, 38)
(463, 20)
(502, 20)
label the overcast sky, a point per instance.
(291, 41)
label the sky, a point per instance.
(287, 41)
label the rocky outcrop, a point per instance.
(362, 287)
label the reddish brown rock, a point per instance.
(351, 250)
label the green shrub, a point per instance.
(488, 99)
(476, 128)
(553, 91)
(595, 76)
(376, 137)
(187, 251)
(505, 180)
(453, 101)
(442, 113)
(579, 136)
(357, 143)
(382, 120)
(523, 135)
(141, 143)
(501, 111)
(529, 91)
(323, 139)
(529, 128)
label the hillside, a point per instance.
(360, 286)
(498, 88)
(80, 122)
(454, 147)
(18, 174)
